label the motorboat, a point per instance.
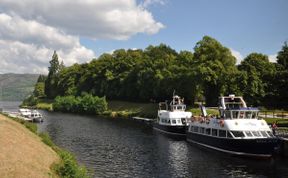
(238, 130)
(172, 118)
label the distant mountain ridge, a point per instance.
(16, 87)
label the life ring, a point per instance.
(221, 122)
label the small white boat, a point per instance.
(36, 116)
(173, 119)
(28, 115)
(25, 112)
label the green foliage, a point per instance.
(282, 57)
(45, 105)
(259, 72)
(52, 79)
(85, 104)
(39, 90)
(214, 66)
(30, 101)
(152, 74)
(46, 139)
(68, 167)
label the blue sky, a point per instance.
(80, 30)
(245, 26)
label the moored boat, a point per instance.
(30, 115)
(172, 119)
(238, 131)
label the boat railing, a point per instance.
(281, 132)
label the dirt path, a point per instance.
(22, 153)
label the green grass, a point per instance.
(45, 105)
(128, 109)
(197, 111)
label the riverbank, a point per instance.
(23, 154)
(126, 109)
(29, 160)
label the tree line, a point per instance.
(154, 73)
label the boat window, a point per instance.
(178, 121)
(222, 133)
(208, 131)
(256, 133)
(229, 135)
(228, 114)
(214, 132)
(241, 116)
(270, 134)
(173, 121)
(254, 114)
(202, 129)
(248, 114)
(195, 129)
(235, 114)
(238, 134)
(264, 134)
(248, 134)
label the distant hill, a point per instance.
(16, 87)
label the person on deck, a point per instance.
(274, 127)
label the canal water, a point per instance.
(127, 148)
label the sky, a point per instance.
(80, 30)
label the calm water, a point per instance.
(126, 148)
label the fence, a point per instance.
(274, 114)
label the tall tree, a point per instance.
(259, 70)
(282, 57)
(215, 63)
(51, 81)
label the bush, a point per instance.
(68, 166)
(85, 104)
(30, 101)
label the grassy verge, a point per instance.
(45, 104)
(68, 166)
(129, 109)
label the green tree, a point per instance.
(282, 57)
(258, 70)
(51, 81)
(214, 65)
(39, 90)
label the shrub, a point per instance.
(68, 166)
(83, 104)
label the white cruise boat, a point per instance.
(172, 119)
(238, 131)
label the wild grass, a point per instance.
(68, 166)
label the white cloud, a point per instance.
(30, 30)
(26, 46)
(147, 3)
(237, 55)
(113, 19)
(273, 58)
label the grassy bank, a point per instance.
(66, 164)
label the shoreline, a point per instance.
(26, 153)
(23, 154)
